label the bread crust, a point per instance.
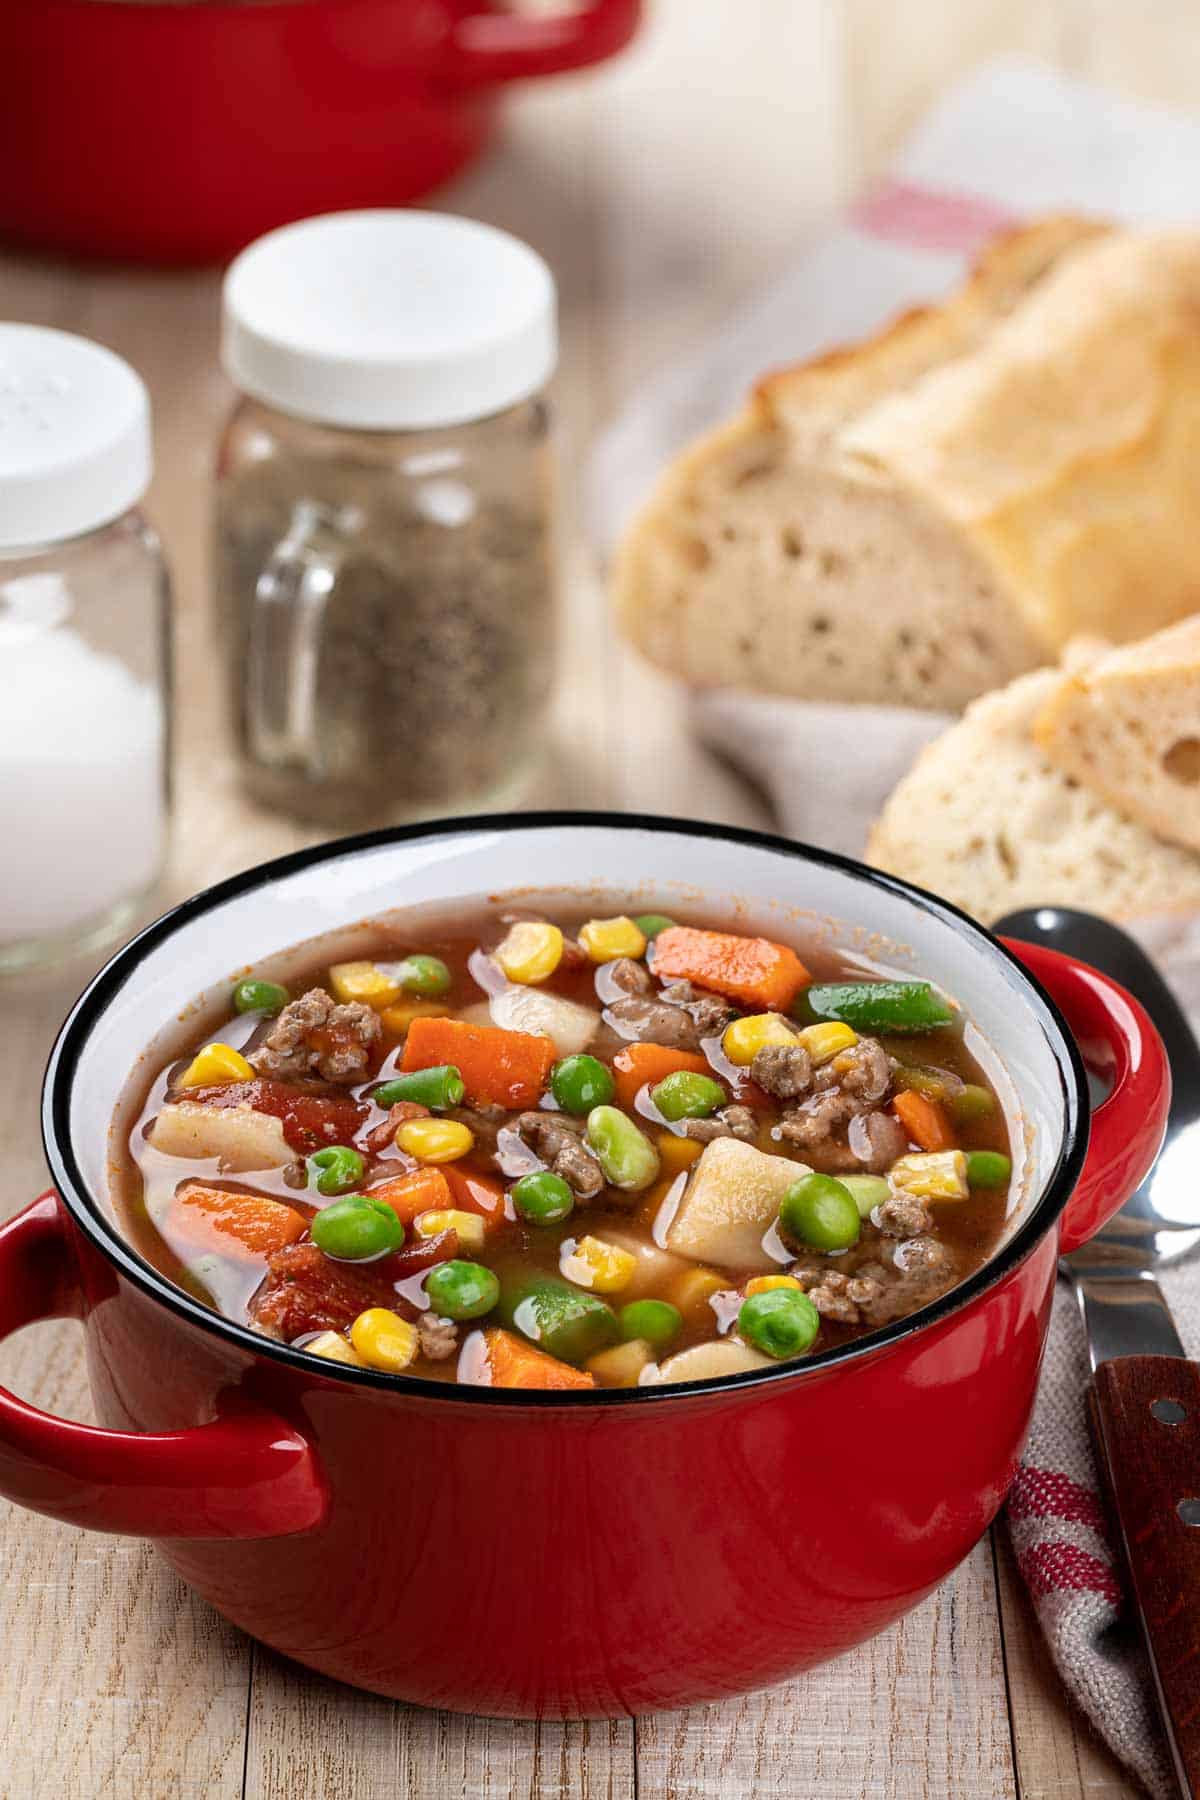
(1029, 431)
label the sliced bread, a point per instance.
(1128, 727)
(985, 820)
(919, 518)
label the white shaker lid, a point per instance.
(74, 436)
(389, 320)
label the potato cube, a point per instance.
(732, 1199)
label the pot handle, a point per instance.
(488, 47)
(246, 1475)
(1118, 1040)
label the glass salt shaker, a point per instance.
(84, 644)
(385, 516)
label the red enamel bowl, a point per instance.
(174, 133)
(564, 1554)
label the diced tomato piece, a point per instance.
(512, 1363)
(304, 1291)
(310, 1121)
(422, 1253)
(241, 1226)
(500, 1068)
(751, 970)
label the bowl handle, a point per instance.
(489, 47)
(1118, 1040)
(248, 1474)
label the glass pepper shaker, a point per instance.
(85, 648)
(385, 516)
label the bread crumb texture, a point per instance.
(985, 819)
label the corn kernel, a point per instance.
(744, 1038)
(531, 952)
(469, 1226)
(435, 1140)
(384, 1340)
(692, 1291)
(824, 1042)
(397, 1019)
(606, 939)
(622, 1365)
(931, 1175)
(214, 1064)
(675, 1153)
(363, 981)
(334, 1348)
(763, 1284)
(604, 1268)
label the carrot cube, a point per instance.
(499, 1068)
(924, 1120)
(751, 970)
(512, 1363)
(241, 1226)
(638, 1064)
(426, 1190)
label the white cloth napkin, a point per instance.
(1012, 141)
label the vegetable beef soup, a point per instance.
(572, 1152)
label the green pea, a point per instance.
(685, 1095)
(427, 975)
(580, 1082)
(867, 1192)
(335, 1170)
(259, 996)
(357, 1229)
(657, 1321)
(567, 1321)
(650, 924)
(780, 1322)
(543, 1198)
(972, 1102)
(988, 1168)
(461, 1290)
(626, 1155)
(821, 1211)
(441, 1086)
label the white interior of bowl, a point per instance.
(641, 867)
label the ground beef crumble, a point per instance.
(557, 1143)
(316, 1036)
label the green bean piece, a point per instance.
(442, 1086)
(685, 1095)
(781, 1322)
(567, 1321)
(867, 1192)
(898, 1006)
(650, 924)
(461, 1290)
(627, 1157)
(988, 1168)
(425, 975)
(259, 996)
(580, 1082)
(335, 1170)
(933, 1083)
(821, 1211)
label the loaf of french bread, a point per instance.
(922, 517)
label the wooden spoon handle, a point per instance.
(1146, 1410)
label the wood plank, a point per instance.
(917, 1714)
(1058, 1757)
(310, 1738)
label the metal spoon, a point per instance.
(1145, 1399)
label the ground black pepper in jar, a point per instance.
(385, 500)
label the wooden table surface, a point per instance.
(662, 191)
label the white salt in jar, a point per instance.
(84, 645)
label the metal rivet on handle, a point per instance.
(1169, 1412)
(1189, 1511)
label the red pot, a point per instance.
(549, 1554)
(177, 133)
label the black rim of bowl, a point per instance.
(102, 1230)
